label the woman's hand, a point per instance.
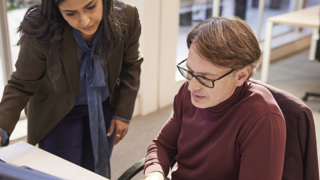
(121, 130)
(154, 176)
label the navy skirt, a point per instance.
(71, 139)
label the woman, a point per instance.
(77, 74)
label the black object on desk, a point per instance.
(10, 172)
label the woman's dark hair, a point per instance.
(46, 24)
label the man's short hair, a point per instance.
(226, 42)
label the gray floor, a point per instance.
(294, 74)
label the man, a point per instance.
(223, 127)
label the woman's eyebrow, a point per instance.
(89, 4)
(83, 7)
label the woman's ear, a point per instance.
(242, 75)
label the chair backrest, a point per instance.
(301, 161)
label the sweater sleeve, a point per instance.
(262, 149)
(163, 149)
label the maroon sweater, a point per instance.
(241, 138)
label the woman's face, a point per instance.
(84, 15)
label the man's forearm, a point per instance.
(154, 176)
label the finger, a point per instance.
(124, 133)
(118, 137)
(124, 126)
(120, 131)
(111, 128)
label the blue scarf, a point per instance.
(90, 69)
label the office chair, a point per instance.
(301, 160)
(132, 171)
(305, 98)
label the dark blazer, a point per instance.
(50, 98)
(301, 160)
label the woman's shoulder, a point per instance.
(33, 19)
(128, 8)
(32, 26)
(129, 11)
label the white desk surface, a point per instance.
(307, 17)
(24, 154)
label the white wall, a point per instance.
(160, 23)
(168, 86)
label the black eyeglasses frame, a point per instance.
(197, 76)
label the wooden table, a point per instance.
(24, 154)
(308, 17)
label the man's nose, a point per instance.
(194, 85)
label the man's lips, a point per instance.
(197, 97)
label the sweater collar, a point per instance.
(233, 99)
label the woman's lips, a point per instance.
(88, 28)
(197, 97)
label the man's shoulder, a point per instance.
(288, 103)
(259, 99)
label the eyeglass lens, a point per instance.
(189, 76)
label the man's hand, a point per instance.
(121, 130)
(154, 176)
(0, 140)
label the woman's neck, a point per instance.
(87, 37)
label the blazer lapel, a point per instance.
(70, 61)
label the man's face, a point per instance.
(83, 15)
(202, 96)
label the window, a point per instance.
(194, 11)
(16, 10)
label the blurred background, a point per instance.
(165, 25)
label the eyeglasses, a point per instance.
(203, 80)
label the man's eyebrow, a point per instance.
(202, 74)
(83, 7)
(188, 67)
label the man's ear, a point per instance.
(242, 75)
